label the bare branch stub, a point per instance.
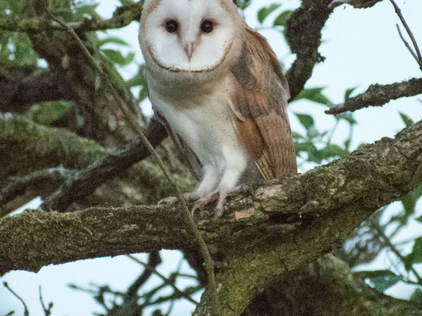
(378, 95)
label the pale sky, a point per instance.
(361, 47)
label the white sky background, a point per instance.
(361, 47)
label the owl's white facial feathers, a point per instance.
(189, 48)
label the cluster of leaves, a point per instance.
(15, 48)
(315, 145)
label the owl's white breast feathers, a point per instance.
(205, 120)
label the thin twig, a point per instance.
(19, 185)
(387, 241)
(407, 44)
(166, 280)
(409, 32)
(26, 312)
(47, 311)
(208, 262)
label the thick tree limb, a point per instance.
(303, 33)
(264, 234)
(122, 17)
(41, 178)
(330, 288)
(87, 180)
(26, 147)
(378, 95)
(357, 4)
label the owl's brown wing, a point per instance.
(260, 103)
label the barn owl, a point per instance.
(220, 89)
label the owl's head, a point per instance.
(190, 35)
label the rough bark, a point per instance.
(327, 287)
(378, 95)
(265, 233)
(21, 87)
(26, 148)
(78, 80)
(303, 33)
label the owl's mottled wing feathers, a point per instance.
(260, 102)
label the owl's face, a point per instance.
(188, 35)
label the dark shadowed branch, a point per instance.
(378, 95)
(303, 33)
(87, 180)
(122, 17)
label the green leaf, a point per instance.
(385, 281)
(415, 256)
(296, 135)
(282, 18)
(347, 116)
(349, 92)
(97, 82)
(116, 57)
(417, 297)
(48, 112)
(312, 132)
(410, 199)
(370, 274)
(305, 147)
(125, 2)
(419, 219)
(264, 12)
(406, 120)
(86, 10)
(315, 156)
(243, 4)
(347, 143)
(113, 40)
(332, 150)
(139, 79)
(306, 120)
(134, 81)
(313, 94)
(143, 94)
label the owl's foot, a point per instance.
(202, 201)
(205, 199)
(219, 209)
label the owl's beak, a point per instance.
(189, 48)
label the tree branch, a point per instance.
(303, 33)
(87, 180)
(378, 95)
(330, 288)
(26, 147)
(122, 17)
(41, 178)
(20, 87)
(280, 225)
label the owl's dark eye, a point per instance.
(172, 26)
(207, 26)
